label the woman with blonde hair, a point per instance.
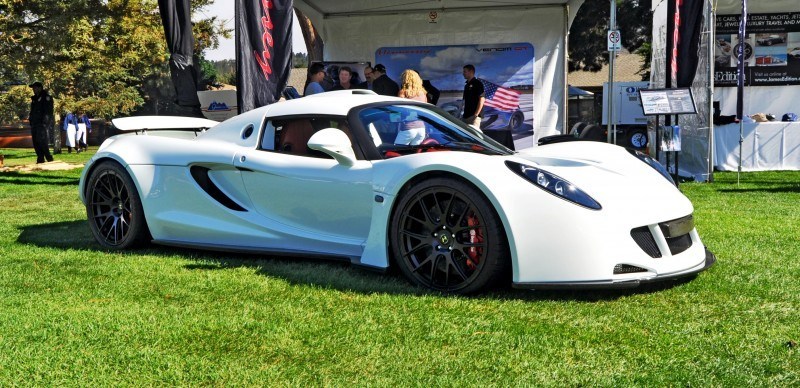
(411, 86)
(412, 131)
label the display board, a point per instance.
(667, 101)
(771, 49)
(505, 69)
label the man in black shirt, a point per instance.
(473, 97)
(382, 84)
(41, 120)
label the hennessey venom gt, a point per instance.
(384, 181)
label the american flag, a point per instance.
(499, 97)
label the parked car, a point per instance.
(388, 182)
(493, 118)
(770, 40)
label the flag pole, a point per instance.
(740, 83)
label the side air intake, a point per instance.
(200, 175)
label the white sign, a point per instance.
(614, 40)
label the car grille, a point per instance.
(645, 240)
(625, 268)
(676, 232)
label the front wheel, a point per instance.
(446, 236)
(113, 208)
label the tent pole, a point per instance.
(712, 38)
(565, 99)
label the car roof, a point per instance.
(330, 103)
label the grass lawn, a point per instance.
(72, 313)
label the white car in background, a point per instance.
(383, 181)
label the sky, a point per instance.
(223, 9)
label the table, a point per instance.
(766, 146)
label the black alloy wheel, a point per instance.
(113, 207)
(446, 236)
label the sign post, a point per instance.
(614, 45)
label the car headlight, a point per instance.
(554, 184)
(652, 163)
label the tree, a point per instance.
(100, 55)
(588, 34)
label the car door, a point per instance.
(304, 194)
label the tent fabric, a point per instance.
(353, 30)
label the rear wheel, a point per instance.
(113, 208)
(446, 236)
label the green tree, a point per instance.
(587, 36)
(100, 55)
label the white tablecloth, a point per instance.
(766, 146)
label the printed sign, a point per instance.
(667, 101)
(771, 49)
(614, 40)
(505, 70)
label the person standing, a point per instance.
(473, 97)
(316, 73)
(84, 127)
(412, 131)
(367, 84)
(412, 86)
(71, 128)
(345, 79)
(381, 83)
(41, 120)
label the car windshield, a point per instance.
(403, 129)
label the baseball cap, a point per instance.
(380, 67)
(37, 83)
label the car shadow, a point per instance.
(325, 273)
(32, 178)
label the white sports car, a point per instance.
(383, 181)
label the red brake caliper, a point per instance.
(475, 237)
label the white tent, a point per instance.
(697, 132)
(352, 30)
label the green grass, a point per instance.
(72, 313)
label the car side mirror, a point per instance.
(335, 143)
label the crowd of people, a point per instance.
(411, 86)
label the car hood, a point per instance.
(609, 173)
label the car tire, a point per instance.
(516, 121)
(114, 209)
(578, 128)
(593, 132)
(462, 253)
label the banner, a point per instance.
(263, 51)
(176, 17)
(506, 71)
(771, 49)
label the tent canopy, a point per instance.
(345, 8)
(354, 29)
(573, 91)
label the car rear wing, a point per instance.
(142, 124)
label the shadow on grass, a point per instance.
(32, 178)
(310, 272)
(776, 190)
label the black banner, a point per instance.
(263, 51)
(771, 49)
(691, 24)
(176, 16)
